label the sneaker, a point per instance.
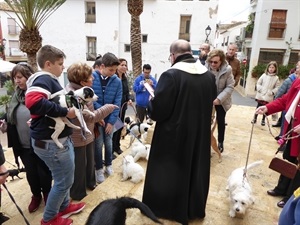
(253, 121)
(99, 176)
(34, 204)
(263, 123)
(58, 221)
(72, 208)
(109, 170)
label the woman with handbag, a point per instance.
(289, 102)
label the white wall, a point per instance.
(160, 19)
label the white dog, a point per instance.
(132, 170)
(240, 192)
(139, 150)
(73, 99)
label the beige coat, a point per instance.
(267, 87)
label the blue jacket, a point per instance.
(285, 85)
(112, 95)
(142, 95)
(290, 214)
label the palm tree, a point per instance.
(135, 8)
(32, 14)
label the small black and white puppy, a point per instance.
(15, 173)
(135, 129)
(113, 211)
(76, 100)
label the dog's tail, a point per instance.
(134, 203)
(254, 164)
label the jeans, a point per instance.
(107, 140)
(61, 165)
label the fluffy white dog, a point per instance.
(139, 150)
(132, 170)
(240, 192)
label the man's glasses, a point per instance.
(214, 62)
(203, 49)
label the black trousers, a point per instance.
(287, 186)
(37, 173)
(141, 113)
(117, 135)
(221, 113)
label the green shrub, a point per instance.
(283, 70)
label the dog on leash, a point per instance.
(15, 173)
(240, 191)
(213, 140)
(136, 130)
(113, 211)
(139, 150)
(76, 100)
(132, 170)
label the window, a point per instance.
(91, 49)
(12, 26)
(267, 55)
(144, 38)
(293, 58)
(278, 24)
(90, 15)
(184, 29)
(127, 48)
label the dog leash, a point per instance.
(13, 200)
(80, 111)
(248, 153)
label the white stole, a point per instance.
(291, 111)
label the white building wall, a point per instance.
(263, 9)
(67, 30)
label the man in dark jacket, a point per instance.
(233, 62)
(177, 178)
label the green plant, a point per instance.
(258, 70)
(4, 101)
(283, 70)
(249, 28)
(9, 87)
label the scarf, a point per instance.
(291, 111)
(17, 98)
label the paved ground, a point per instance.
(263, 146)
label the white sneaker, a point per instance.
(109, 170)
(99, 176)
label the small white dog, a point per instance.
(240, 192)
(73, 99)
(132, 170)
(139, 150)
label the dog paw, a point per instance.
(232, 213)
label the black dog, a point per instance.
(113, 211)
(15, 173)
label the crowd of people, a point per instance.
(58, 175)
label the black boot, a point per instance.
(3, 218)
(220, 146)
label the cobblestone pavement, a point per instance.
(263, 212)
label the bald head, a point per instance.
(180, 47)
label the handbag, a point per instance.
(118, 125)
(283, 167)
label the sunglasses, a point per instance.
(214, 62)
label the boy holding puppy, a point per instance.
(42, 86)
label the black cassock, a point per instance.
(178, 171)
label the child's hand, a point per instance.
(71, 114)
